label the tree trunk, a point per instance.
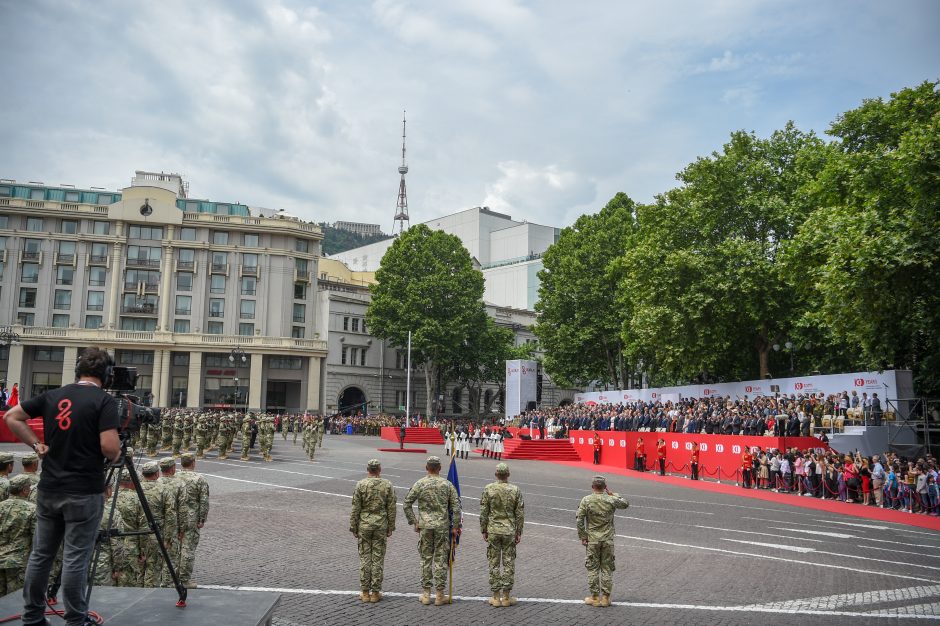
(763, 352)
(428, 369)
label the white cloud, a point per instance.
(534, 192)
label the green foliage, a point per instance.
(336, 240)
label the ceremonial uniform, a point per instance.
(17, 525)
(639, 463)
(502, 517)
(595, 523)
(661, 457)
(463, 444)
(693, 461)
(372, 520)
(747, 468)
(448, 443)
(597, 449)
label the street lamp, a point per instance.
(237, 357)
(789, 347)
(8, 337)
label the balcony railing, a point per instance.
(140, 309)
(301, 276)
(32, 255)
(65, 259)
(219, 268)
(249, 270)
(216, 314)
(184, 311)
(142, 262)
(29, 279)
(246, 316)
(94, 307)
(185, 265)
(98, 259)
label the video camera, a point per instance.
(131, 413)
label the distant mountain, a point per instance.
(336, 240)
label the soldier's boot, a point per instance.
(375, 596)
(267, 457)
(364, 596)
(508, 600)
(603, 601)
(440, 599)
(425, 597)
(495, 600)
(244, 457)
(591, 599)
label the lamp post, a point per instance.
(7, 338)
(237, 357)
(789, 347)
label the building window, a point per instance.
(301, 245)
(93, 321)
(184, 281)
(247, 310)
(4, 221)
(29, 273)
(99, 252)
(37, 194)
(55, 355)
(297, 332)
(250, 260)
(69, 227)
(219, 261)
(250, 240)
(64, 275)
(353, 356)
(94, 301)
(34, 224)
(363, 325)
(25, 319)
(216, 307)
(249, 285)
(343, 357)
(187, 234)
(134, 357)
(300, 291)
(179, 386)
(184, 305)
(154, 233)
(63, 299)
(32, 247)
(150, 278)
(214, 328)
(72, 196)
(5, 192)
(246, 329)
(101, 228)
(27, 298)
(144, 255)
(105, 198)
(132, 303)
(362, 357)
(181, 326)
(217, 283)
(192, 206)
(301, 266)
(300, 312)
(285, 363)
(220, 237)
(60, 320)
(97, 276)
(355, 324)
(181, 358)
(45, 381)
(186, 258)
(346, 323)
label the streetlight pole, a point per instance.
(8, 338)
(238, 356)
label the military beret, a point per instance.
(373, 464)
(6, 457)
(502, 468)
(150, 467)
(167, 462)
(187, 458)
(434, 460)
(18, 482)
(30, 457)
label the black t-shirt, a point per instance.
(73, 417)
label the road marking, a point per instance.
(753, 532)
(928, 556)
(899, 614)
(771, 545)
(854, 599)
(869, 526)
(255, 482)
(817, 532)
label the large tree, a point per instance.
(869, 255)
(579, 319)
(426, 284)
(481, 359)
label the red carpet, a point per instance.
(413, 434)
(541, 450)
(420, 450)
(831, 506)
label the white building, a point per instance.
(359, 228)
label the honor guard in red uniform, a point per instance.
(693, 461)
(747, 466)
(640, 457)
(661, 456)
(597, 449)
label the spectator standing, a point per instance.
(878, 480)
(785, 473)
(864, 474)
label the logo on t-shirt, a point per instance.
(64, 418)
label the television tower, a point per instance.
(401, 221)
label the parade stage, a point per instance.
(132, 606)
(413, 434)
(540, 449)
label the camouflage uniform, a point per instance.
(17, 524)
(167, 425)
(502, 515)
(372, 520)
(295, 426)
(152, 442)
(135, 546)
(226, 434)
(246, 438)
(595, 522)
(436, 499)
(197, 510)
(5, 457)
(189, 422)
(175, 517)
(160, 507)
(318, 422)
(32, 457)
(266, 435)
(112, 560)
(203, 432)
(179, 430)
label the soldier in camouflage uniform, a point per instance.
(295, 426)
(152, 441)
(226, 434)
(158, 502)
(17, 524)
(502, 515)
(30, 464)
(189, 424)
(595, 522)
(111, 560)
(439, 519)
(167, 425)
(6, 468)
(197, 510)
(135, 546)
(266, 435)
(320, 427)
(213, 442)
(372, 522)
(179, 429)
(175, 518)
(246, 438)
(203, 432)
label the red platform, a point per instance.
(7, 437)
(419, 450)
(414, 435)
(540, 450)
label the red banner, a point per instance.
(7, 437)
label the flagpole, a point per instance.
(408, 386)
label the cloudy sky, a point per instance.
(540, 109)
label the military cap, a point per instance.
(599, 481)
(167, 462)
(187, 458)
(6, 457)
(30, 457)
(125, 475)
(150, 467)
(502, 468)
(18, 482)
(373, 464)
(130, 451)
(434, 460)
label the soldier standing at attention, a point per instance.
(502, 515)
(436, 498)
(6, 467)
(174, 521)
(246, 438)
(31, 470)
(661, 456)
(17, 524)
(111, 557)
(595, 521)
(266, 435)
(372, 522)
(152, 561)
(135, 546)
(197, 510)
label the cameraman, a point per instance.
(80, 422)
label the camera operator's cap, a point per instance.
(18, 482)
(167, 462)
(502, 468)
(150, 467)
(187, 457)
(30, 457)
(6, 457)
(373, 464)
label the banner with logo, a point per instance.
(521, 385)
(890, 384)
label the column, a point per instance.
(161, 377)
(166, 272)
(68, 364)
(194, 389)
(117, 277)
(313, 384)
(15, 368)
(255, 397)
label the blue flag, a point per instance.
(452, 477)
